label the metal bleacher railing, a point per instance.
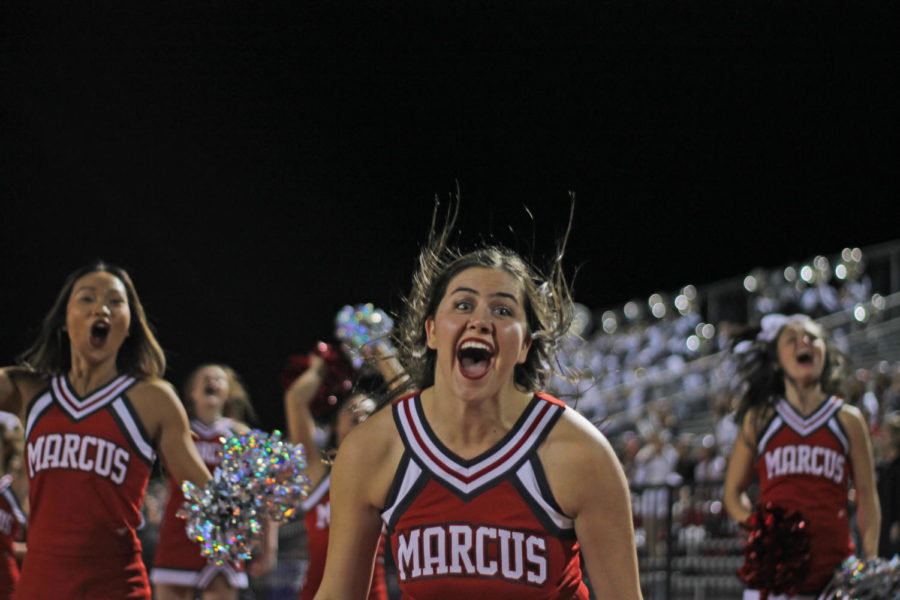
(688, 548)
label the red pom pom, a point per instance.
(776, 553)
(337, 384)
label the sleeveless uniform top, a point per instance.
(12, 529)
(178, 560)
(803, 464)
(317, 520)
(88, 461)
(487, 527)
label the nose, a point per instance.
(479, 322)
(102, 309)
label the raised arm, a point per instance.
(385, 360)
(300, 423)
(868, 510)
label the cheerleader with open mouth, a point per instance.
(806, 446)
(486, 487)
(96, 412)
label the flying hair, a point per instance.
(760, 377)
(548, 299)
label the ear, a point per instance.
(429, 333)
(523, 353)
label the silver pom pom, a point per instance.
(259, 478)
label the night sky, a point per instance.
(255, 168)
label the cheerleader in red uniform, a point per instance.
(96, 411)
(348, 412)
(180, 571)
(487, 487)
(804, 443)
(12, 520)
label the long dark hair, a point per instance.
(139, 356)
(760, 378)
(548, 302)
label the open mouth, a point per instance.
(805, 358)
(99, 333)
(474, 359)
(209, 390)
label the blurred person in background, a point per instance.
(654, 471)
(13, 521)
(710, 465)
(803, 442)
(687, 458)
(347, 411)
(180, 571)
(889, 486)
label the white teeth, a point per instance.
(476, 346)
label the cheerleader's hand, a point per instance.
(364, 332)
(265, 560)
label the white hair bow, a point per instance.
(770, 325)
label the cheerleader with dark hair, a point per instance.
(350, 407)
(486, 487)
(96, 412)
(805, 445)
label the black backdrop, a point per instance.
(256, 166)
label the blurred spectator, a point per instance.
(888, 473)
(154, 503)
(655, 467)
(711, 464)
(631, 446)
(656, 461)
(891, 396)
(725, 429)
(687, 459)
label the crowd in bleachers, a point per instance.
(656, 378)
(661, 363)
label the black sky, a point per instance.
(257, 166)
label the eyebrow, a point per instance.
(501, 294)
(91, 288)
